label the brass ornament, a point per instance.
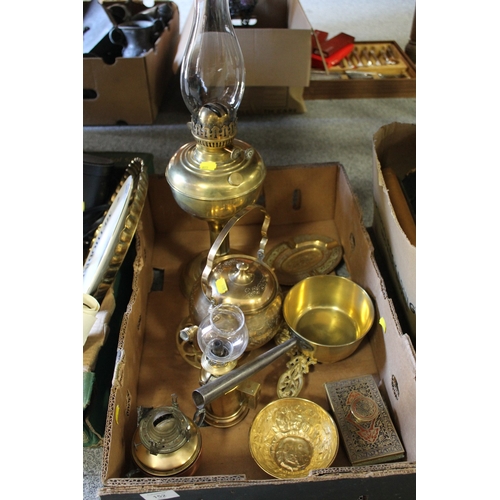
(291, 381)
(187, 344)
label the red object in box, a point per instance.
(333, 50)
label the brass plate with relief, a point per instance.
(113, 237)
(291, 437)
(304, 256)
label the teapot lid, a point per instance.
(244, 281)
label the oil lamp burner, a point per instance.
(223, 337)
(216, 175)
(166, 442)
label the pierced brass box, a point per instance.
(365, 426)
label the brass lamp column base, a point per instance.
(226, 411)
(233, 406)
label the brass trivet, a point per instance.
(304, 256)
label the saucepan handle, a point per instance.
(207, 393)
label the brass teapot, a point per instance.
(241, 280)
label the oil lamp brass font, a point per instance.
(166, 442)
(216, 175)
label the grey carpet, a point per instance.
(330, 130)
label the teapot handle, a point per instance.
(221, 237)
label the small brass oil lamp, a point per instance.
(216, 175)
(166, 442)
(223, 337)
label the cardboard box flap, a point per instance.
(297, 17)
(396, 380)
(122, 406)
(268, 54)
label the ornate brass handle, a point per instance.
(291, 381)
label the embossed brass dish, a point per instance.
(292, 436)
(303, 256)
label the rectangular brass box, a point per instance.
(365, 426)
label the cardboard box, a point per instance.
(130, 91)
(398, 80)
(394, 146)
(310, 199)
(277, 54)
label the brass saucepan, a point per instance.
(331, 313)
(327, 317)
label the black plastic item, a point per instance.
(97, 188)
(97, 23)
(242, 9)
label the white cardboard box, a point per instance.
(394, 146)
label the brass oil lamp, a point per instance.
(216, 175)
(166, 442)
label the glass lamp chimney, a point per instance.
(213, 69)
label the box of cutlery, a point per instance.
(370, 70)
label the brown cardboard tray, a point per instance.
(336, 84)
(306, 199)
